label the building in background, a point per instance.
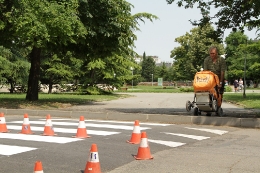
(156, 59)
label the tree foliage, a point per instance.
(98, 32)
(242, 57)
(14, 68)
(235, 14)
(193, 49)
(59, 68)
(111, 26)
(162, 72)
(148, 68)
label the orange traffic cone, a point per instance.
(48, 129)
(38, 167)
(143, 150)
(82, 131)
(3, 128)
(136, 134)
(26, 129)
(93, 165)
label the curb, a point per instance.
(156, 118)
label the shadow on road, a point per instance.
(228, 112)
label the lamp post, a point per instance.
(244, 92)
(132, 69)
(152, 79)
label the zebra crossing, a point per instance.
(66, 128)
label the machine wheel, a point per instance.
(208, 114)
(220, 112)
(196, 111)
(188, 106)
(214, 105)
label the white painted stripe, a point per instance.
(63, 130)
(167, 143)
(9, 150)
(219, 132)
(188, 136)
(39, 138)
(109, 121)
(87, 124)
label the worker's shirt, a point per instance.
(215, 67)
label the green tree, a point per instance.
(56, 68)
(234, 56)
(95, 31)
(108, 48)
(193, 49)
(252, 55)
(148, 68)
(242, 57)
(40, 24)
(14, 68)
(235, 14)
(162, 72)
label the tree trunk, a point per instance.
(50, 87)
(12, 86)
(32, 92)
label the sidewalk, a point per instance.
(235, 152)
(151, 107)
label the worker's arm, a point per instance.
(222, 76)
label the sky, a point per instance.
(157, 38)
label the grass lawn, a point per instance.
(252, 100)
(55, 101)
(52, 101)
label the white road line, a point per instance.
(87, 125)
(9, 150)
(39, 138)
(63, 130)
(219, 132)
(109, 121)
(167, 143)
(188, 136)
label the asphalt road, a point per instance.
(158, 103)
(236, 151)
(63, 153)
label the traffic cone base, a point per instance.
(143, 154)
(143, 150)
(48, 131)
(3, 127)
(92, 168)
(38, 167)
(26, 129)
(81, 131)
(93, 165)
(136, 134)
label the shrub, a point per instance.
(228, 89)
(92, 90)
(187, 89)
